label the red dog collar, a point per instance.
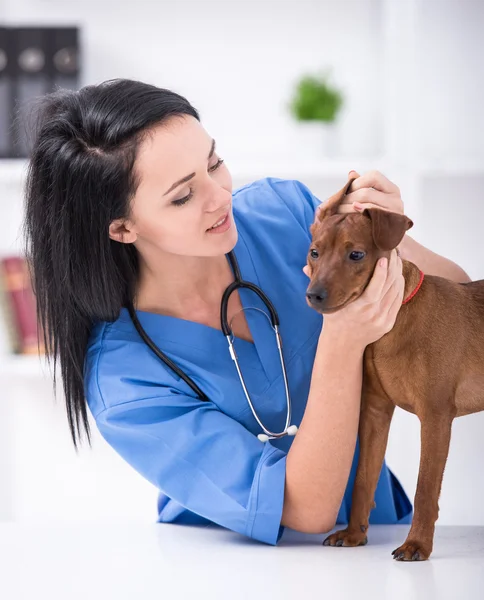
(415, 290)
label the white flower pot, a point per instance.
(316, 139)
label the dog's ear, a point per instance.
(330, 207)
(388, 227)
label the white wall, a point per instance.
(235, 61)
(413, 76)
(450, 79)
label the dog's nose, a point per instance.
(317, 295)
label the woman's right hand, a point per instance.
(373, 314)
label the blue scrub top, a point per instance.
(205, 457)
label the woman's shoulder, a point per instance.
(273, 197)
(119, 368)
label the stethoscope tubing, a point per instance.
(239, 283)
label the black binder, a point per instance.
(6, 92)
(63, 57)
(45, 58)
(30, 81)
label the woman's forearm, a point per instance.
(430, 262)
(319, 461)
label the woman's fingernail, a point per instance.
(382, 262)
(358, 206)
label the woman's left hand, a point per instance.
(372, 190)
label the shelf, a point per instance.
(311, 168)
(12, 170)
(12, 365)
(456, 168)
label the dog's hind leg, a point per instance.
(435, 439)
(375, 418)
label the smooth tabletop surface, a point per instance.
(131, 561)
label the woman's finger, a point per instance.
(394, 271)
(349, 208)
(376, 180)
(374, 289)
(366, 195)
(390, 274)
(394, 302)
(344, 209)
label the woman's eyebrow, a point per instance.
(192, 175)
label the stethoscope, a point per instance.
(227, 331)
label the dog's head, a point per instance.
(345, 250)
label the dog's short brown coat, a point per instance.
(431, 363)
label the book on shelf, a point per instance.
(18, 307)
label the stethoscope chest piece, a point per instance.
(291, 430)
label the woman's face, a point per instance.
(184, 190)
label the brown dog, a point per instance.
(431, 363)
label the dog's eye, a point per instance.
(357, 255)
(314, 253)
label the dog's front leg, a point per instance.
(375, 418)
(435, 439)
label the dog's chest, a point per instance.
(396, 376)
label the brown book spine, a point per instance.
(8, 319)
(22, 301)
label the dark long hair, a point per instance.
(81, 177)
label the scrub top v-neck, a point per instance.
(204, 457)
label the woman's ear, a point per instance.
(122, 230)
(388, 228)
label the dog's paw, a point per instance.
(346, 537)
(412, 550)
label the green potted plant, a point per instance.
(315, 106)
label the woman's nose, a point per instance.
(218, 198)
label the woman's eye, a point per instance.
(314, 253)
(217, 165)
(185, 199)
(357, 255)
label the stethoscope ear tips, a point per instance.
(263, 437)
(292, 430)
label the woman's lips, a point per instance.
(227, 222)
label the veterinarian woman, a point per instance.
(129, 204)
